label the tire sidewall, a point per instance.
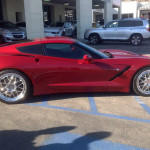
(136, 90)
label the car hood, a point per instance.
(120, 53)
(52, 29)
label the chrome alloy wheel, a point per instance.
(136, 40)
(94, 39)
(12, 87)
(143, 82)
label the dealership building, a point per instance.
(35, 12)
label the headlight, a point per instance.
(6, 32)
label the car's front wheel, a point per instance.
(136, 39)
(94, 39)
(14, 86)
(141, 82)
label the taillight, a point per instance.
(148, 29)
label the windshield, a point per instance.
(59, 24)
(93, 50)
(7, 25)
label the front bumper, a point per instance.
(14, 38)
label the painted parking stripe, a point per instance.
(92, 104)
(69, 141)
(145, 107)
(90, 112)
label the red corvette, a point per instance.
(63, 65)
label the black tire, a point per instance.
(16, 85)
(1, 39)
(136, 39)
(63, 33)
(141, 83)
(94, 39)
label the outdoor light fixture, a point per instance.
(96, 5)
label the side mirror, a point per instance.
(88, 59)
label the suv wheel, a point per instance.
(94, 39)
(1, 39)
(136, 39)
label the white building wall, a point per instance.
(10, 7)
(130, 7)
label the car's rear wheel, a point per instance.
(1, 39)
(136, 39)
(14, 86)
(141, 82)
(94, 39)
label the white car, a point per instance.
(60, 29)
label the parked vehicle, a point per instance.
(9, 32)
(60, 65)
(133, 30)
(60, 29)
(66, 28)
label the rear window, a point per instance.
(32, 49)
(138, 23)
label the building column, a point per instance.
(108, 11)
(34, 18)
(119, 12)
(84, 16)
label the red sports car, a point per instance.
(63, 65)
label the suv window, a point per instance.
(128, 23)
(138, 23)
(32, 49)
(64, 51)
(112, 24)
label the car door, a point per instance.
(63, 69)
(125, 29)
(110, 30)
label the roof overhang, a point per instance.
(145, 7)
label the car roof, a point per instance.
(42, 41)
(57, 39)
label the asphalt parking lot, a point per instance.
(89, 121)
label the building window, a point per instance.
(130, 15)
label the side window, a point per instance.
(112, 24)
(64, 51)
(33, 49)
(126, 23)
(138, 23)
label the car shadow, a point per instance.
(54, 97)
(25, 140)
